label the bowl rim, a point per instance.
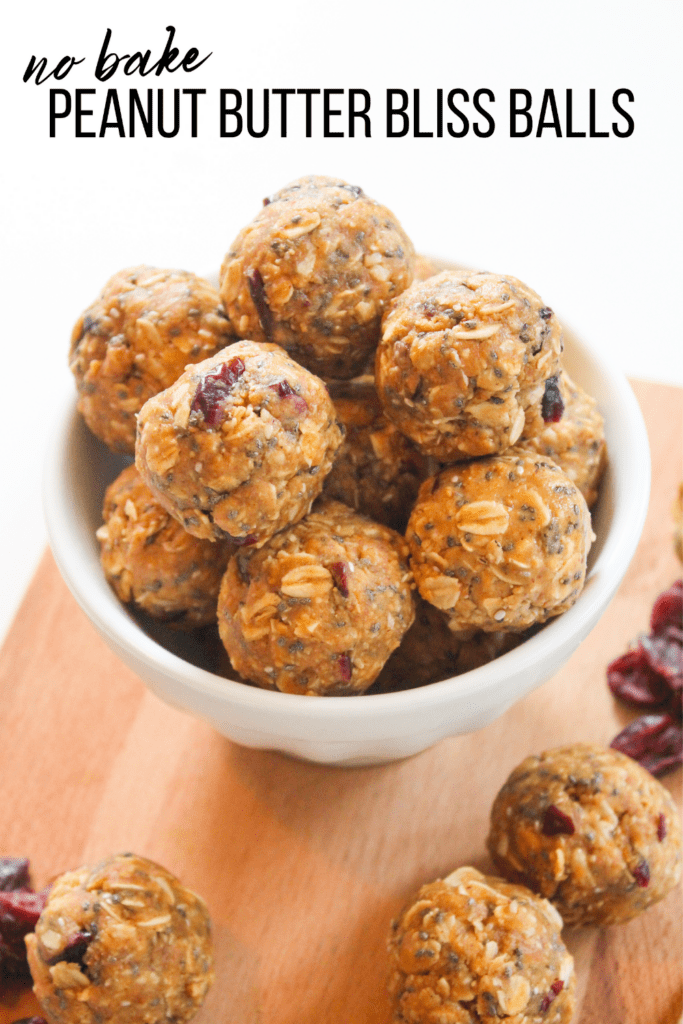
(114, 622)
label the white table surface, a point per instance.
(594, 225)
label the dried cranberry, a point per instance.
(652, 676)
(13, 963)
(74, 951)
(673, 634)
(632, 680)
(345, 666)
(14, 874)
(339, 575)
(637, 737)
(665, 657)
(551, 995)
(556, 822)
(545, 313)
(19, 912)
(661, 828)
(258, 297)
(655, 741)
(21, 909)
(552, 406)
(661, 763)
(214, 388)
(243, 542)
(285, 390)
(641, 873)
(668, 609)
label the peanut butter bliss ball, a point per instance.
(500, 543)
(589, 829)
(314, 272)
(468, 363)
(320, 607)
(121, 943)
(136, 340)
(473, 949)
(576, 441)
(239, 446)
(150, 560)
(377, 471)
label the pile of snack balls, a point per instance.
(342, 454)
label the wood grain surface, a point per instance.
(303, 866)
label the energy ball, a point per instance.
(151, 561)
(377, 471)
(468, 363)
(136, 340)
(501, 543)
(314, 272)
(431, 651)
(239, 446)
(576, 442)
(589, 829)
(473, 949)
(121, 943)
(319, 608)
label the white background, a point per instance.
(594, 225)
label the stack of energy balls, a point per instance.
(297, 495)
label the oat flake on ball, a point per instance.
(589, 829)
(239, 446)
(121, 943)
(320, 607)
(476, 950)
(136, 340)
(466, 363)
(314, 272)
(500, 543)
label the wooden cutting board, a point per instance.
(303, 866)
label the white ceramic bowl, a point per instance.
(368, 729)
